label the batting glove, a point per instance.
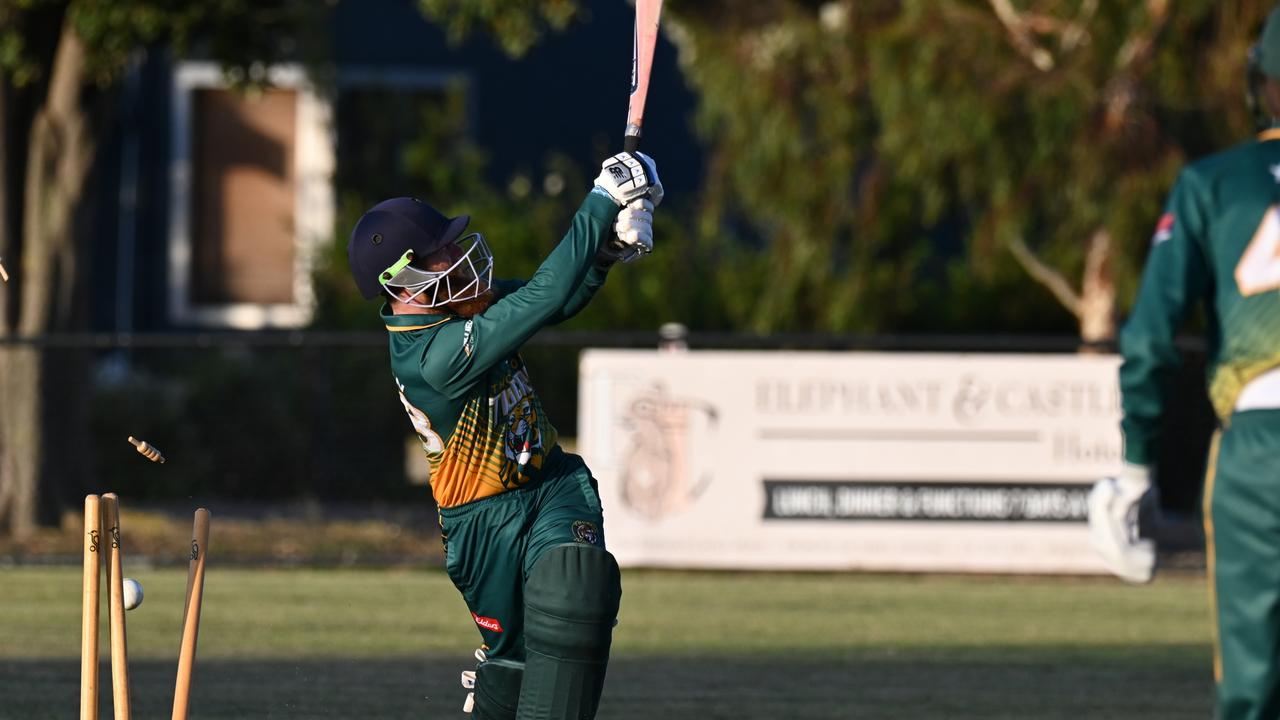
(633, 236)
(629, 176)
(1113, 524)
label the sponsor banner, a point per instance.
(878, 461)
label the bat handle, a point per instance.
(631, 142)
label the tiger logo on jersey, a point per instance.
(522, 438)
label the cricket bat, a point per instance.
(643, 41)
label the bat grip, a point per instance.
(631, 143)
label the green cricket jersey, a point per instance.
(463, 384)
(1218, 242)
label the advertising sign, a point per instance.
(850, 460)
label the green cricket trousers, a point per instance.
(492, 544)
(1242, 533)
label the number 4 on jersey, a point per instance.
(1259, 268)
(431, 441)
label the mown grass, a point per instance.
(390, 643)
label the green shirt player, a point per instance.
(1217, 245)
(520, 517)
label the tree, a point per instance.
(848, 142)
(59, 63)
(516, 24)
(1063, 123)
(1043, 131)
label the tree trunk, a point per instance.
(6, 247)
(45, 391)
(1095, 304)
(18, 422)
(1098, 291)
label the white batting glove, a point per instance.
(629, 176)
(1113, 524)
(633, 235)
(634, 228)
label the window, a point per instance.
(251, 198)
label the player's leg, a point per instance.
(495, 686)
(1243, 530)
(572, 591)
(483, 558)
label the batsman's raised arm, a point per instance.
(632, 234)
(591, 283)
(598, 235)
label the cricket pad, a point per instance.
(571, 602)
(497, 689)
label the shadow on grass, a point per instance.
(894, 685)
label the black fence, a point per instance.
(271, 416)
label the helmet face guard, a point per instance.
(466, 279)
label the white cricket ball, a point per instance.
(132, 593)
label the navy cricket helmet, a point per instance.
(391, 228)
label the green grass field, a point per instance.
(390, 644)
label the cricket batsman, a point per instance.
(520, 517)
(1217, 244)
